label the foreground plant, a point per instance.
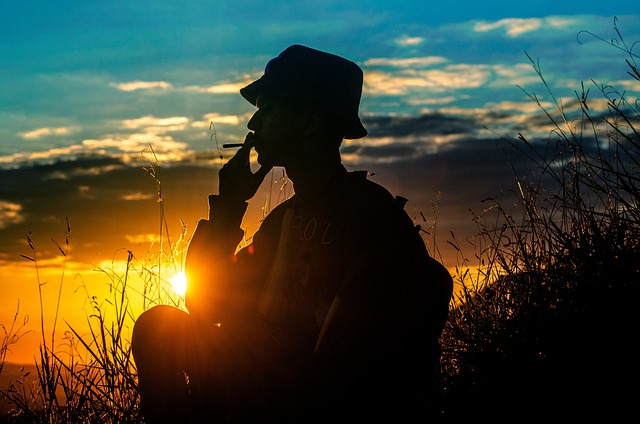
(542, 329)
(89, 376)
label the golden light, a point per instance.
(179, 283)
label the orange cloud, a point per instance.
(10, 214)
(217, 118)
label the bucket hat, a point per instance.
(328, 81)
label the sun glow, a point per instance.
(179, 283)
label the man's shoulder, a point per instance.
(372, 198)
(358, 185)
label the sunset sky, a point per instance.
(91, 91)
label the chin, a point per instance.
(262, 161)
(268, 160)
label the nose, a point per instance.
(253, 123)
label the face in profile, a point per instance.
(278, 131)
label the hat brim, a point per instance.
(250, 92)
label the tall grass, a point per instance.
(11, 336)
(544, 327)
(89, 376)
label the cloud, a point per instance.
(407, 41)
(142, 85)
(519, 74)
(433, 124)
(138, 239)
(402, 138)
(50, 154)
(217, 118)
(560, 22)
(136, 143)
(505, 117)
(524, 108)
(458, 76)
(515, 27)
(451, 78)
(137, 196)
(10, 214)
(101, 206)
(47, 132)
(410, 62)
(172, 123)
(224, 88)
(434, 80)
(434, 101)
(149, 131)
(382, 83)
(128, 137)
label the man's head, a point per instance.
(319, 80)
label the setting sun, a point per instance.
(179, 283)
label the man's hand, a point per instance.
(236, 181)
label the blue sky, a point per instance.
(87, 88)
(81, 77)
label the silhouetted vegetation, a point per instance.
(545, 329)
(91, 377)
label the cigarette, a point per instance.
(230, 145)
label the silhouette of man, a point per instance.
(335, 308)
